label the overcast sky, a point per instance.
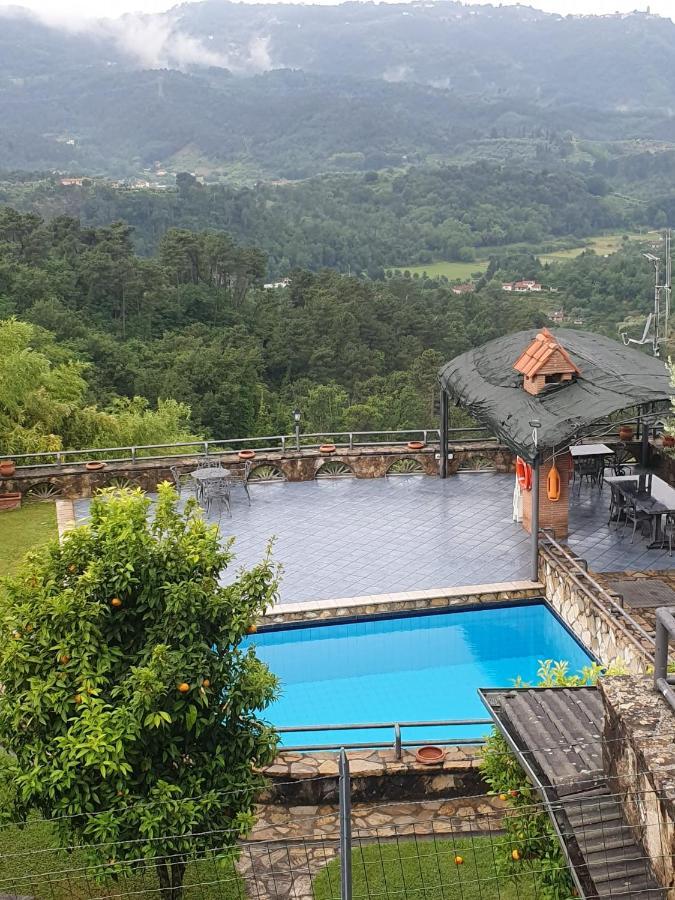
(56, 9)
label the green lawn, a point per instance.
(426, 870)
(29, 867)
(603, 245)
(21, 529)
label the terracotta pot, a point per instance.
(430, 756)
(416, 445)
(327, 448)
(10, 500)
(7, 468)
(94, 466)
(246, 454)
(626, 433)
(669, 440)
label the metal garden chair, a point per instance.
(240, 477)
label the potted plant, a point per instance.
(94, 466)
(416, 445)
(10, 500)
(327, 449)
(246, 454)
(7, 468)
(626, 433)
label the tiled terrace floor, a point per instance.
(353, 537)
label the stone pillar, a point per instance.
(551, 514)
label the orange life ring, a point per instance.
(523, 474)
(553, 484)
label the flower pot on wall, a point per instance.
(246, 454)
(416, 445)
(327, 449)
(94, 466)
(7, 468)
(430, 756)
(10, 500)
(626, 432)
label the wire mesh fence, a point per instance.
(449, 848)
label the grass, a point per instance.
(603, 245)
(29, 866)
(22, 529)
(426, 870)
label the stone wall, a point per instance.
(74, 481)
(639, 758)
(595, 624)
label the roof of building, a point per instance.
(611, 377)
(533, 359)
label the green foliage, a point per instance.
(528, 827)
(130, 708)
(24, 529)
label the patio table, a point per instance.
(660, 501)
(578, 451)
(215, 473)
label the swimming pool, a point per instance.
(408, 668)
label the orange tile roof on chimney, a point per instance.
(532, 360)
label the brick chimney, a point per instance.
(544, 363)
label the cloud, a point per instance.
(155, 42)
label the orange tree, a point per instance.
(129, 707)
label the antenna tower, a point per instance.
(657, 329)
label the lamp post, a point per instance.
(535, 425)
(296, 418)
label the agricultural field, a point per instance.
(603, 245)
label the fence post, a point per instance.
(661, 650)
(345, 828)
(133, 454)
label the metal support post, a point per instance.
(644, 457)
(345, 793)
(297, 436)
(443, 467)
(535, 519)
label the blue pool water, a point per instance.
(412, 668)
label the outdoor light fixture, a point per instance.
(297, 417)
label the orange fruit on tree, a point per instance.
(251, 629)
(206, 683)
(503, 797)
(183, 687)
(116, 602)
(515, 855)
(459, 860)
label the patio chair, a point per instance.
(215, 491)
(180, 479)
(616, 505)
(623, 461)
(669, 531)
(240, 477)
(637, 517)
(589, 468)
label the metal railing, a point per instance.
(262, 444)
(665, 632)
(397, 744)
(616, 615)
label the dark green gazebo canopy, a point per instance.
(612, 377)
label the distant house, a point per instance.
(558, 316)
(522, 287)
(462, 288)
(72, 182)
(275, 285)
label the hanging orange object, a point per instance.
(523, 474)
(553, 484)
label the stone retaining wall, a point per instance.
(639, 758)
(596, 626)
(74, 481)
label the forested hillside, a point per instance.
(363, 223)
(124, 347)
(242, 92)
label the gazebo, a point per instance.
(539, 391)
